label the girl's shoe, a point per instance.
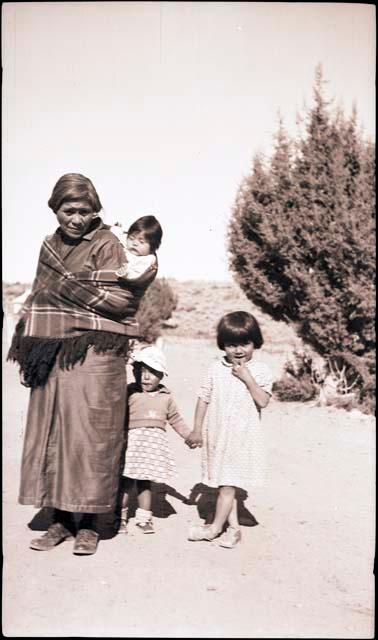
(231, 538)
(122, 527)
(201, 532)
(123, 520)
(146, 527)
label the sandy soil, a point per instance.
(304, 568)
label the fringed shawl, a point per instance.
(68, 312)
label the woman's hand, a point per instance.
(194, 440)
(22, 380)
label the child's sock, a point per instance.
(142, 515)
(123, 520)
(144, 520)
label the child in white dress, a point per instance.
(140, 244)
(227, 423)
(148, 455)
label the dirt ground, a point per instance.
(304, 568)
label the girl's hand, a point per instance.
(194, 440)
(242, 372)
(258, 394)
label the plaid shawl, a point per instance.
(63, 304)
(68, 312)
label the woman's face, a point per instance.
(75, 218)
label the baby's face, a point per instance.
(137, 244)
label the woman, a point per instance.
(71, 344)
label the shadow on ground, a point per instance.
(202, 496)
(205, 498)
(107, 523)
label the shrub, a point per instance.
(157, 305)
(301, 378)
(290, 389)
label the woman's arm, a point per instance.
(101, 290)
(195, 437)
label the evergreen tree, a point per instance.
(301, 236)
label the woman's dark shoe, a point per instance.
(86, 542)
(54, 535)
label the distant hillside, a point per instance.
(13, 290)
(202, 303)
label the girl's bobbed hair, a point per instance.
(73, 187)
(239, 327)
(150, 227)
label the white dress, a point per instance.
(233, 438)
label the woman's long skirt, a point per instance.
(74, 437)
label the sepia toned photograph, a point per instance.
(188, 218)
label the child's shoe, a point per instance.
(201, 532)
(123, 521)
(231, 538)
(144, 520)
(122, 527)
(146, 527)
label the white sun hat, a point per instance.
(152, 357)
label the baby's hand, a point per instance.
(194, 440)
(241, 371)
(122, 271)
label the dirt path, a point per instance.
(303, 570)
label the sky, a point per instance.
(163, 106)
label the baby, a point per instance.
(140, 243)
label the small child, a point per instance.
(227, 423)
(140, 244)
(148, 455)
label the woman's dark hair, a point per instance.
(73, 187)
(239, 327)
(150, 228)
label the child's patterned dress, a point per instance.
(233, 439)
(148, 454)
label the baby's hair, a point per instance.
(239, 327)
(150, 228)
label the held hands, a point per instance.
(194, 440)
